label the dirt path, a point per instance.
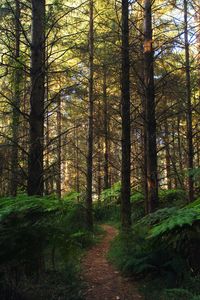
(102, 279)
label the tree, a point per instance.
(125, 106)
(36, 120)
(190, 150)
(106, 129)
(16, 103)
(90, 119)
(151, 151)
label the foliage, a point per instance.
(163, 248)
(158, 289)
(112, 193)
(137, 197)
(55, 285)
(195, 173)
(137, 206)
(136, 255)
(107, 212)
(71, 196)
(108, 208)
(180, 218)
(158, 216)
(175, 197)
(39, 235)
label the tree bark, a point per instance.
(99, 179)
(106, 151)
(151, 150)
(59, 148)
(77, 160)
(125, 107)
(167, 156)
(188, 106)
(16, 105)
(145, 181)
(36, 119)
(48, 176)
(89, 216)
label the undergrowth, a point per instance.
(162, 251)
(42, 240)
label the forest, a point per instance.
(99, 149)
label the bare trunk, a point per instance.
(89, 216)
(188, 106)
(167, 156)
(99, 186)
(125, 106)
(47, 139)
(151, 149)
(180, 154)
(36, 119)
(77, 161)
(59, 145)
(106, 151)
(145, 181)
(16, 105)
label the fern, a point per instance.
(173, 196)
(177, 293)
(158, 216)
(112, 193)
(137, 197)
(195, 173)
(180, 218)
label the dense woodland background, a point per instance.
(99, 122)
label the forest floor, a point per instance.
(103, 281)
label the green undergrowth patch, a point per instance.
(107, 209)
(162, 252)
(42, 242)
(107, 212)
(173, 197)
(158, 289)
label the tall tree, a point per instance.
(16, 103)
(59, 149)
(89, 216)
(190, 150)
(106, 125)
(36, 119)
(151, 151)
(125, 107)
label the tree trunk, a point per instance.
(77, 160)
(180, 152)
(125, 106)
(99, 185)
(151, 150)
(59, 147)
(106, 151)
(145, 181)
(16, 105)
(36, 120)
(48, 176)
(190, 149)
(167, 156)
(89, 216)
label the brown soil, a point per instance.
(103, 281)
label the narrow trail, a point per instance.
(103, 281)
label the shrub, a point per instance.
(137, 197)
(39, 235)
(164, 245)
(107, 212)
(112, 193)
(137, 206)
(163, 250)
(172, 197)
